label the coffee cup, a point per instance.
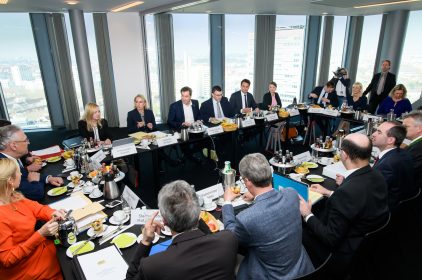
(74, 174)
(207, 202)
(88, 188)
(69, 162)
(119, 215)
(96, 192)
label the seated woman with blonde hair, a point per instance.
(359, 102)
(395, 101)
(24, 252)
(93, 126)
(141, 118)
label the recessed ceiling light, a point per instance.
(324, 13)
(72, 2)
(385, 4)
(208, 12)
(3, 2)
(126, 6)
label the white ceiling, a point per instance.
(288, 7)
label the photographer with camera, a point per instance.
(341, 83)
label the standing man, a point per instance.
(270, 229)
(394, 163)
(185, 111)
(413, 124)
(242, 101)
(358, 206)
(381, 85)
(14, 144)
(217, 106)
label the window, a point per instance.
(288, 56)
(153, 67)
(239, 51)
(337, 44)
(368, 49)
(20, 74)
(411, 62)
(192, 55)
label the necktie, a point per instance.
(381, 82)
(218, 110)
(246, 102)
(376, 159)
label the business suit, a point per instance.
(359, 105)
(177, 116)
(133, 117)
(191, 255)
(236, 101)
(207, 109)
(396, 167)
(103, 131)
(267, 100)
(415, 151)
(332, 96)
(357, 207)
(375, 99)
(31, 190)
(271, 232)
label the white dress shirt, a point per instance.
(188, 112)
(215, 104)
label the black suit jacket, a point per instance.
(176, 115)
(207, 109)
(357, 207)
(191, 255)
(266, 100)
(415, 151)
(390, 82)
(133, 117)
(236, 101)
(396, 167)
(102, 131)
(331, 96)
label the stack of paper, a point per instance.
(48, 152)
(333, 169)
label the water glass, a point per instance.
(126, 207)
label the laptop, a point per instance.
(72, 142)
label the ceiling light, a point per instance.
(3, 2)
(126, 6)
(72, 2)
(189, 4)
(385, 4)
(324, 13)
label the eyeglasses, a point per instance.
(26, 140)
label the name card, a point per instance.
(212, 192)
(98, 156)
(123, 150)
(141, 216)
(131, 198)
(161, 142)
(306, 156)
(365, 117)
(315, 110)
(293, 112)
(215, 130)
(271, 117)
(248, 122)
(329, 112)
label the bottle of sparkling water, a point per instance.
(227, 167)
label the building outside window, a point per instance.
(337, 45)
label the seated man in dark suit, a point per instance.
(192, 253)
(217, 106)
(242, 101)
(14, 144)
(413, 124)
(394, 163)
(185, 111)
(357, 207)
(270, 229)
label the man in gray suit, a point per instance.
(270, 229)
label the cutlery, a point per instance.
(83, 244)
(122, 229)
(110, 233)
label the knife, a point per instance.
(83, 244)
(119, 230)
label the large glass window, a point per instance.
(192, 55)
(153, 67)
(20, 74)
(337, 44)
(368, 49)
(288, 56)
(239, 51)
(410, 72)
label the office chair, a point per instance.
(318, 273)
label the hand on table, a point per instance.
(34, 167)
(229, 195)
(305, 207)
(140, 124)
(149, 125)
(320, 189)
(151, 227)
(248, 196)
(55, 181)
(246, 110)
(33, 177)
(186, 124)
(326, 100)
(50, 228)
(107, 142)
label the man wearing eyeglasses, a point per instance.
(14, 145)
(217, 106)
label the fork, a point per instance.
(83, 244)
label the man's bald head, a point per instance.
(357, 146)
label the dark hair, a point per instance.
(245, 81)
(4, 123)
(186, 89)
(330, 85)
(355, 151)
(389, 61)
(398, 132)
(273, 83)
(216, 88)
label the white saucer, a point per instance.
(114, 222)
(91, 195)
(211, 208)
(139, 239)
(70, 179)
(71, 185)
(328, 161)
(166, 231)
(85, 191)
(91, 232)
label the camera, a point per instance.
(340, 72)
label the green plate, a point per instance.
(315, 178)
(57, 191)
(309, 164)
(89, 246)
(124, 240)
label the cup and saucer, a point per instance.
(119, 217)
(91, 231)
(209, 205)
(95, 193)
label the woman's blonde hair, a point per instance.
(143, 99)
(359, 85)
(88, 116)
(8, 169)
(398, 87)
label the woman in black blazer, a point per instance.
(93, 126)
(271, 98)
(356, 100)
(141, 118)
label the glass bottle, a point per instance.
(227, 167)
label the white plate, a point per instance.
(128, 234)
(91, 232)
(212, 207)
(166, 231)
(43, 164)
(70, 179)
(114, 222)
(53, 192)
(311, 177)
(118, 178)
(92, 195)
(76, 245)
(328, 161)
(139, 239)
(71, 185)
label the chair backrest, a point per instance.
(410, 199)
(318, 273)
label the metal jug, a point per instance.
(229, 178)
(239, 122)
(111, 190)
(184, 135)
(369, 125)
(358, 115)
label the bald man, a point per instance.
(357, 207)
